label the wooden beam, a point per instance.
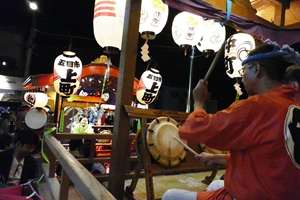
(127, 66)
(240, 10)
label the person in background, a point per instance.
(81, 128)
(17, 164)
(258, 132)
(292, 78)
(8, 125)
(95, 113)
(20, 118)
(6, 142)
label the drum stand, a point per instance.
(144, 157)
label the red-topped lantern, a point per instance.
(36, 99)
(108, 23)
(149, 86)
(67, 73)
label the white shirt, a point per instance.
(15, 172)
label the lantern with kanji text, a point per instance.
(186, 29)
(237, 48)
(149, 85)
(67, 73)
(36, 99)
(154, 16)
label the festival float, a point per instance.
(98, 84)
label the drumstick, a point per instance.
(185, 146)
(213, 64)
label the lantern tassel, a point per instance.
(145, 51)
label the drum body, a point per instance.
(161, 144)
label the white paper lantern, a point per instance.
(237, 48)
(186, 29)
(154, 16)
(149, 85)
(108, 22)
(67, 73)
(36, 99)
(214, 34)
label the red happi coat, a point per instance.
(262, 136)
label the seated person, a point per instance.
(6, 141)
(80, 128)
(17, 164)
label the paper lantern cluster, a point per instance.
(237, 48)
(149, 85)
(67, 73)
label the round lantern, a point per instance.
(237, 48)
(213, 36)
(108, 22)
(36, 99)
(149, 86)
(154, 16)
(67, 72)
(186, 29)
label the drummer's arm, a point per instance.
(212, 159)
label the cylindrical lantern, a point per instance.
(154, 16)
(36, 99)
(108, 22)
(213, 36)
(67, 73)
(237, 48)
(149, 86)
(186, 29)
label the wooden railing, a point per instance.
(88, 185)
(72, 169)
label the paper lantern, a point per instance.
(67, 73)
(237, 48)
(186, 29)
(108, 22)
(149, 86)
(213, 36)
(36, 99)
(154, 16)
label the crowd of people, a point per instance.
(18, 147)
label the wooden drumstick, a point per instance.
(213, 64)
(185, 146)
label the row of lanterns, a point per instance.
(187, 30)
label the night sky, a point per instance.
(68, 24)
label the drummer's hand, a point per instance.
(206, 158)
(200, 94)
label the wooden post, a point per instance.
(126, 75)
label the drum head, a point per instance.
(161, 144)
(35, 118)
